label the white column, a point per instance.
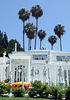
(55, 74)
(16, 72)
(10, 73)
(15, 47)
(13, 73)
(50, 73)
(63, 78)
(67, 78)
(29, 78)
(4, 54)
(3, 72)
(50, 57)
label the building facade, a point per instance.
(49, 66)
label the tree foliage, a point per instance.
(52, 39)
(18, 92)
(23, 15)
(3, 40)
(41, 35)
(36, 12)
(59, 31)
(4, 88)
(39, 90)
(8, 46)
(30, 30)
(42, 90)
(67, 93)
(11, 45)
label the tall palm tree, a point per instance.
(30, 32)
(23, 15)
(52, 39)
(36, 12)
(41, 35)
(59, 31)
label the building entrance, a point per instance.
(20, 73)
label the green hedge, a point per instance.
(18, 92)
(4, 88)
(43, 90)
(67, 93)
(56, 92)
(39, 89)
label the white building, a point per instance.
(52, 67)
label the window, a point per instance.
(68, 57)
(60, 58)
(44, 57)
(39, 57)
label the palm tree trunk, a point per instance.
(23, 36)
(36, 33)
(51, 47)
(40, 44)
(29, 44)
(60, 44)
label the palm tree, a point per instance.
(41, 35)
(59, 31)
(36, 12)
(30, 32)
(23, 15)
(52, 39)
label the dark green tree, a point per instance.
(23, 15)
(5, 41)
(52, 39)
(59, 31)
(1, 40)
(36, 12)
(41, 35)
(11, 46)
(2, 51)
(8, 46)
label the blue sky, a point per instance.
(54, 12)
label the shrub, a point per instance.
(4, 88)
(46, 91)
(43, 90)
(32, 92)
(8, 88)
(36, 86)
(67, 93)
(18, 92)
(56, 92)
(39, 89)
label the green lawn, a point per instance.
(19, 98)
